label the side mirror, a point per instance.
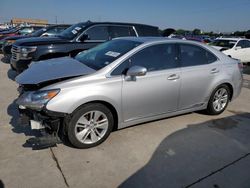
(136, 71)
(237, 47)
(84, 37)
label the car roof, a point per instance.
(158, 39)
(89, 23)
(146, 39)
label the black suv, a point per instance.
(70, 42)
(48, 31)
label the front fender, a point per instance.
(68, 100)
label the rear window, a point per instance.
(192, 55)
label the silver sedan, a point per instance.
(124, 82)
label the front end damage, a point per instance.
(33, 113)
(34, 98)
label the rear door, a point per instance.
(199, 68)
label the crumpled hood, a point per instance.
(53, 69)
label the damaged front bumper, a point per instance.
(44, 119)
(50, 124)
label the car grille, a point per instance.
(15, 50)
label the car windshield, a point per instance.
(224, 43)
(104, 54)
(73, 31)
(39, 32)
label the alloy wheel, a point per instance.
(91, 127)
(220, 99)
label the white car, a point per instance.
(237, 48)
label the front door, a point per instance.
(157, 92)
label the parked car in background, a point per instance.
(78, 37)
(238, 48)
(48, 31)
(195, 38)
(174, 36)
(124, 82)
(17, 31)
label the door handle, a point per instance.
(173, 77)
(214, 70)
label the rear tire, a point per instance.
(90, 125)
(218, 100)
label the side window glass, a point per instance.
(192, 55)
(122, 68)
(60, 29)
(52, 31)
(154, 58)
(241, 44)
(247, 43)
(98, 33)
(121, 31)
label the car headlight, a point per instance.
(36, 99)
(28, 49)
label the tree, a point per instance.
(197, 32)
(181, 32)
(167, 32)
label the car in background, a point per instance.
(77, 38)
(174, 36)
(48, 31)
(17, 31)
(124, 82)
(238, 48)
(195, 38)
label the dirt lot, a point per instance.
(192, 150)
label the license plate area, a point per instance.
(36, 125)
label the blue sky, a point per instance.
(208, 15)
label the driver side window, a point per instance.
(154, 58)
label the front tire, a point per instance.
(90, 125)
(218, 100)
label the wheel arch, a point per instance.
(228, 84)
(110, 106)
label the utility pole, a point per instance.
(56, 19)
